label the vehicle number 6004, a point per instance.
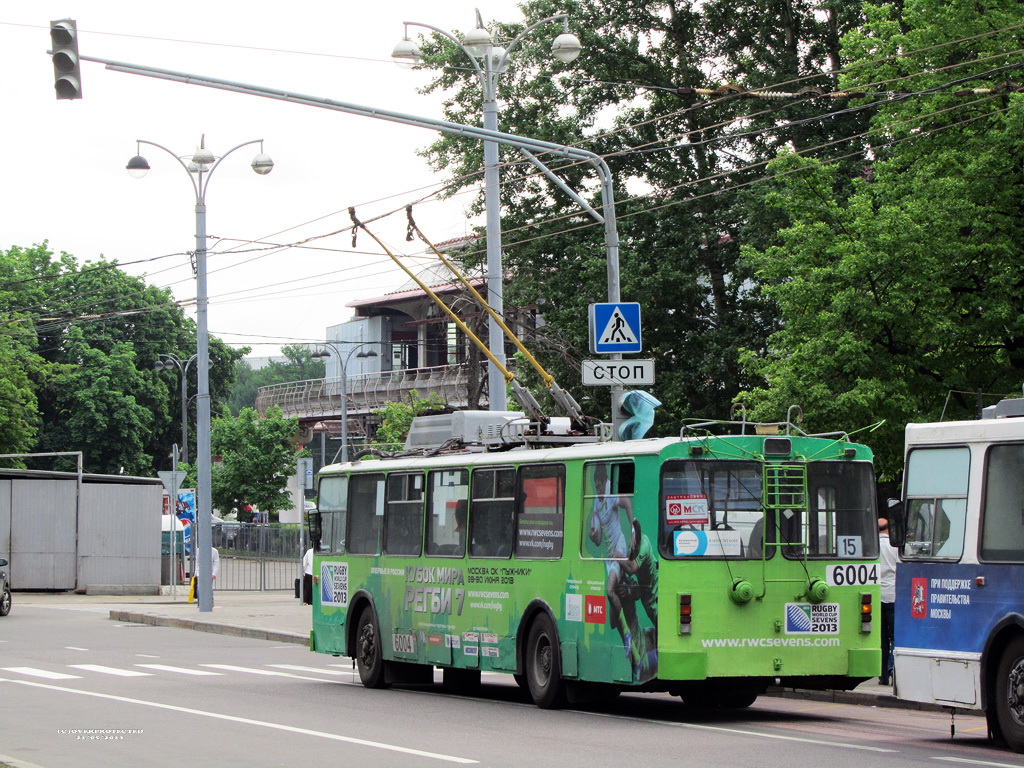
(851, 575)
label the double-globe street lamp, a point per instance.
(489, 61)
(344, 384)
(200, 167)
(167, 362)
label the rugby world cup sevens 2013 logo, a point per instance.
(334, 583)
(798, 618)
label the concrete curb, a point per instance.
(216, 628)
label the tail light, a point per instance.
(685, 614)
(865, 612)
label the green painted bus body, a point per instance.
(473, 613)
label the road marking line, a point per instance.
(74, 648)
(250, 670)
(180, 670)
(741, 732)
(41, 673)
(297, 668)
(259, 723)
(976, 762)
(109, 670)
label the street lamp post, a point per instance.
(200, 167)
(169, 361)
(489, 61)
(344, 386)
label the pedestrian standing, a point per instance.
(307, 577)
(887, 559)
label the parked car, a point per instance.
(5, 589)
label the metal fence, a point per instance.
(259, 556)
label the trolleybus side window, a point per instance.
(540, 512)
(492, 512)
(331, 503)
(446, 512)
(607, 509)
(365, 513)
(936, 502)
(1002, 522)
(711, 509)
(403, 517)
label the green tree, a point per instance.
(629, 97)
(396, 418)
(257, 458)
(98, 405)
(76, 355)
(901, 289)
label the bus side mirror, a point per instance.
(897, 523)
(315, 531)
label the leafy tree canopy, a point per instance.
(76, 362)
(900, 287)
(681, 167)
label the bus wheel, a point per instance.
(369, 660)
(1010, 694)
(465, 682)
(544, 665)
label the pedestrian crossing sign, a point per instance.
(615, 328)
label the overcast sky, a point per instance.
(64, 177)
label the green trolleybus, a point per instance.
(710, 566)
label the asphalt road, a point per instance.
(80, 690)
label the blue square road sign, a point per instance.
(615, 328)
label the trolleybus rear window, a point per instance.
(711, 509)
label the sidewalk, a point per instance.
(281, 618)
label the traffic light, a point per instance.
(639, 406)
(67, 78)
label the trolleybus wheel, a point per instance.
(544, 665)
(369, 660)
(1010, 694)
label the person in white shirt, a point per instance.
(307, 577)
(888, 556)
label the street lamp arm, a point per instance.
(450, 36)
(179, 161)
(221, 159)
(564, 18)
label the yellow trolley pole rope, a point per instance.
(524, 397)
(547, 378)
(563, 398)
